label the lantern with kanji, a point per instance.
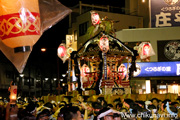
(19, 24)
(95, 18)
(62, 52)
(104, 44)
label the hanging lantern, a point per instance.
(84, 71)
(62, 52)
(104, 44)
(19, 24)
(122, 71)
(145, 50)
(95, 18)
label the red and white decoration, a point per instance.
(104, 44)
(145, 50)
(62, 52)
(122, 71)
(13, 92)
(95, 18)
(84, 70)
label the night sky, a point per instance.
(53, 37)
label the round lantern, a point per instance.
(19, 23)
(104, 44)
(62, 52)
(95, 18)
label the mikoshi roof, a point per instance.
(116, 47)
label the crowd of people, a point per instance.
(79, 108)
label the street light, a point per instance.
(43, 49)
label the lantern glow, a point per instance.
(13, 92)
(62, 52)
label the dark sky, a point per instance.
(53, 37)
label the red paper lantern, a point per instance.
(19, 23)
(122, 71)
(95, 18)
(13, 92)
(61, 51)
(84, 69)
(104, 44)
(146, 49)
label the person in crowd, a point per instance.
(30, 112)
(105, 114)
(141, 103)
(118, 106)
(2, 109)
(11, 111)
(44, 115)
(71, 113)
(116, 101)
(155, 102)
(102, 101)
(96, 108)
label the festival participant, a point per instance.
(72, 113)
(30, 112)
(44, 115)
(12, 111)
(155, 102)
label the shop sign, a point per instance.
(155, 69)
(165, 13)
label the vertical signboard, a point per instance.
(165, 13)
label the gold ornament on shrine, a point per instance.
(19, 23)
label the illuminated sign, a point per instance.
(165, 13)
(154, 69)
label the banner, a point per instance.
(165, 13)
(157, 69)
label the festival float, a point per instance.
(98, 65)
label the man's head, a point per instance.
(71, 113)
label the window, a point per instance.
(75, 35)
(132, 27)
(26, 81)
(83, 28)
